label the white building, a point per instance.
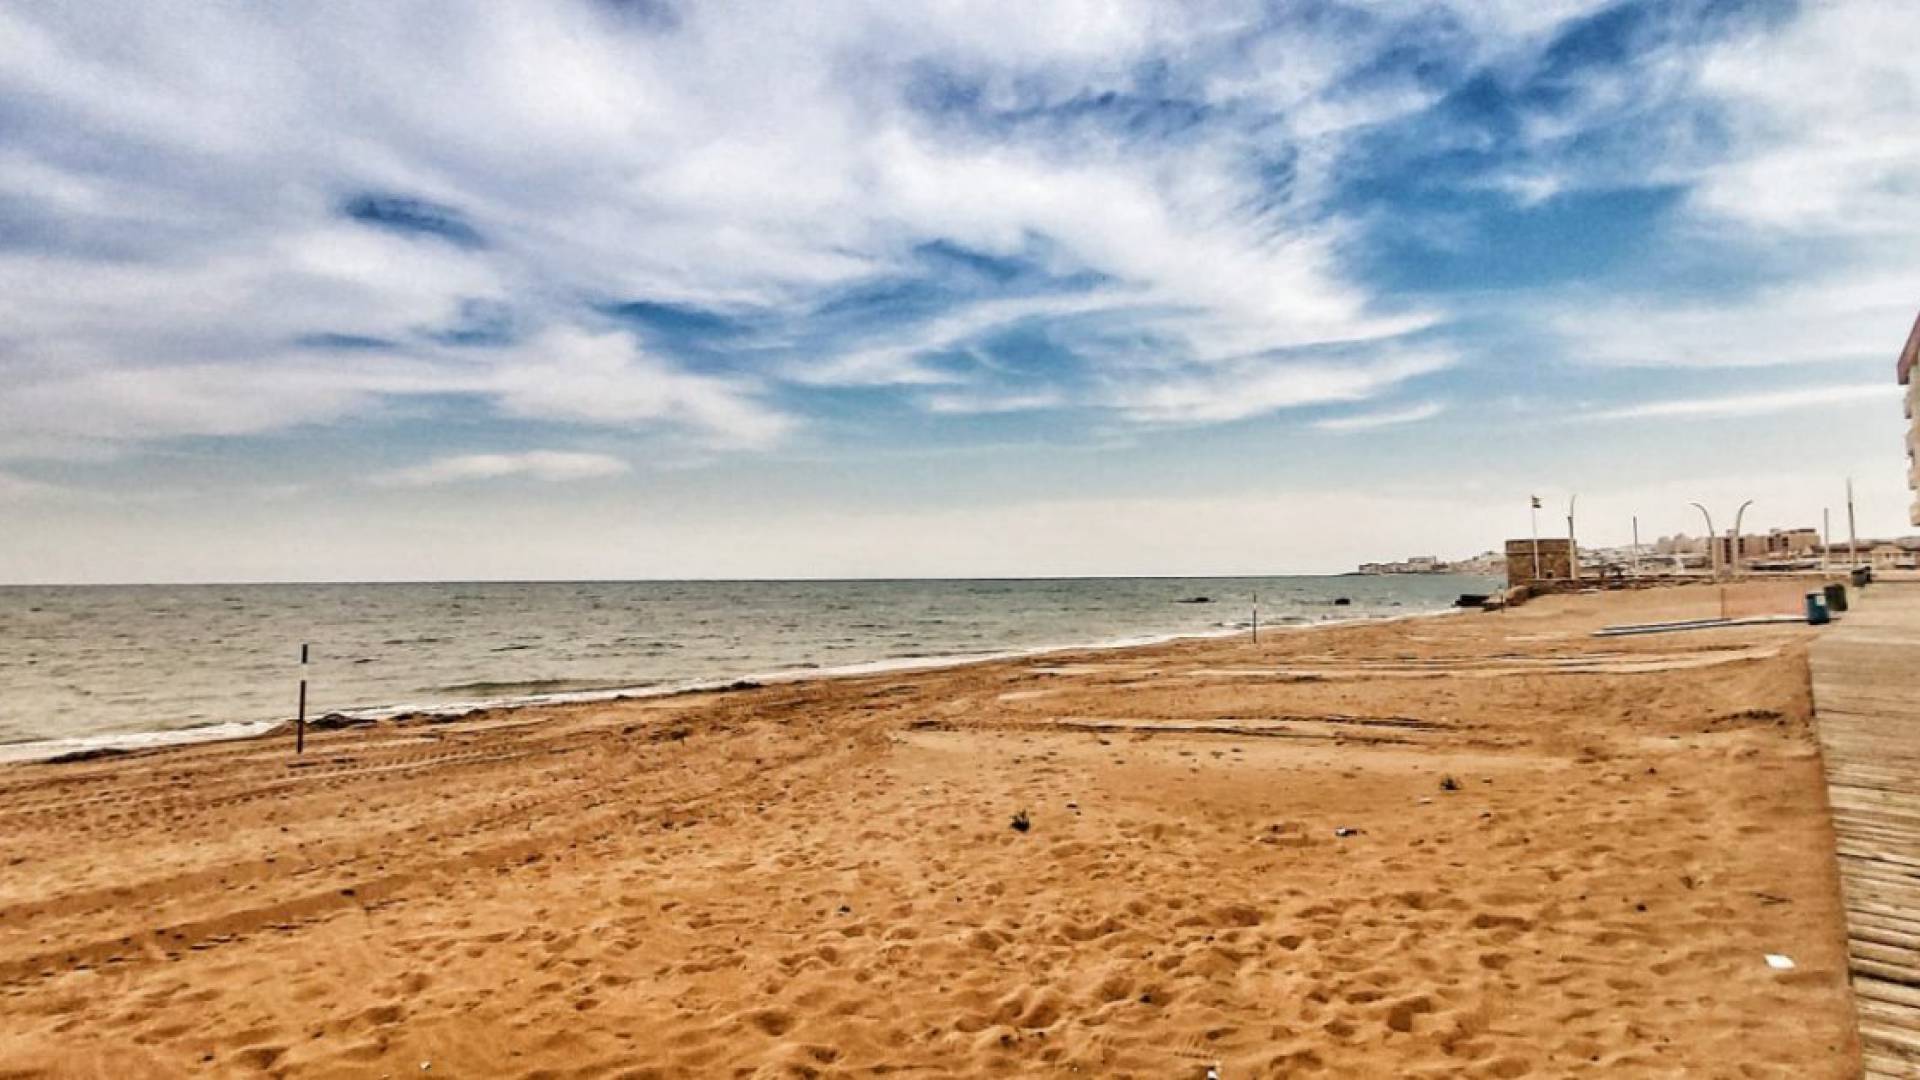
(1904, 369)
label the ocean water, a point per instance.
(106, 665)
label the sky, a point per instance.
(647, 289)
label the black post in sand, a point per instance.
(300, 724)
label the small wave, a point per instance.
(521, 687)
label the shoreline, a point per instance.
(134, 742)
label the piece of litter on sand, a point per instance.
(1345, 831)
(1213, 1072)
(1779, 963)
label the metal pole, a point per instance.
(1573, 550)
(300, 724)
(1534, 516)
(1636, 547)
(1735, 550)
(1826, 538)
(1713, 542)
(1256, 618)
(1853, 538)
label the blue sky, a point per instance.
(641, 289)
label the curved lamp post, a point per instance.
(1734, 551)
(1713, 545)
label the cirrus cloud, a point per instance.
(553, 466)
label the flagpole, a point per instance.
(1534, 513)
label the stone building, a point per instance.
(1556, 560)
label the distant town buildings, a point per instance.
(1680, 555)
(1793, 542)
(1679, 544)
(1778, 544)
(1489, 563)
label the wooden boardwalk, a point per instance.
(1866, 692)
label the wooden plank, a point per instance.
(1875, 872)
(1881, 990)
(1880, 935)
(1853, 888)
(1862, 915)
(1890, 1029)
(1878, 852)
(1893, 957)
(1884, 911)
(1897, 973)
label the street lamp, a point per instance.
(1734, 551)
(1713, 546)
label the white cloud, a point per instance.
(547, 465)
(1799, 158)
(1776, 401)
(1260, 385)
(973, 403)
(899, 362)
(606, 379)
(597, 379)
(167, 402)
(1847, 315)
(763, 157)
(1384, 418)
(19, 488)
(1822, 128)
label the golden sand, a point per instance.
(1483, 845)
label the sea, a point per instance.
(83, 667)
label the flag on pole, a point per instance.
(1536, 502)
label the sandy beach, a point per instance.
(1476, 845)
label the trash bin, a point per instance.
(1817, 614)
(1862, 575)
(1836, 597)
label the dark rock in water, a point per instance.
(334, 721)
(742, 684)
(1195, 600)
(1469, 599)
(94, 754)
(1341, 601)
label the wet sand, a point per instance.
(1482, 845)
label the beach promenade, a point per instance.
(1867, 713)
